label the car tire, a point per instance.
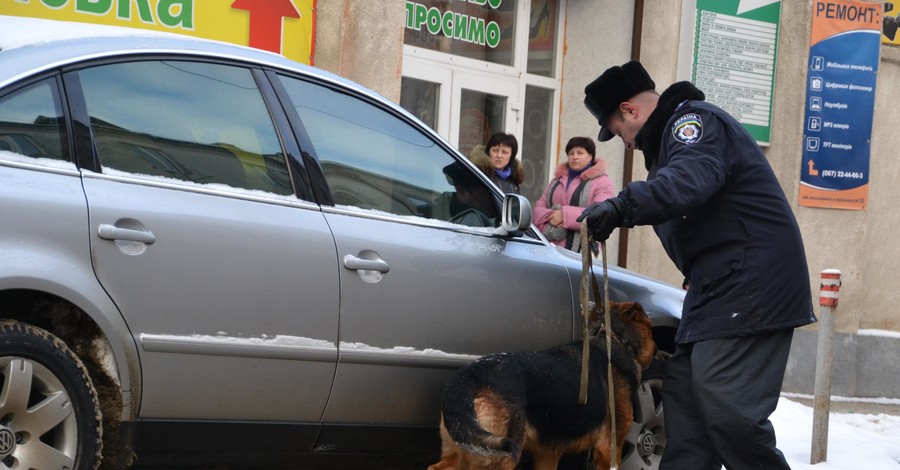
(646, 439)
(49, 412)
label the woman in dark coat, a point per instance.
(499, 162)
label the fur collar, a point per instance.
(483, 162)
(596, 170)
(650, 136)
(518, 172)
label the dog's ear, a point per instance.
(628, 310)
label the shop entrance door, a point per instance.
(481, 105)
(464, 106)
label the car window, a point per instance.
(31, 122)
(198, 122)
(372, 159)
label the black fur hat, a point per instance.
(458, 175)
(614, 86)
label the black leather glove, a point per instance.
(604, 217)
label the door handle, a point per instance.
(358, 264)
(111, 232)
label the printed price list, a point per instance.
(735, 64)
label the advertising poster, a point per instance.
(840, 99)
(733, 58)
(283, 26)
(890, 23)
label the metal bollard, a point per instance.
(828, 301)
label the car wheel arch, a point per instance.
(87, 340)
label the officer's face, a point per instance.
(626, 123)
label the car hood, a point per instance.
(662, 302)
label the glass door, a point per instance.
(425, 92)
(482, 105)
(466, 107)
(502, 75)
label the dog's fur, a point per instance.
(503, 405)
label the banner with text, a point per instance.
(840, 100)
(283, 26)
(477, 29)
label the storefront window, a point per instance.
(536, 140)
(502, 93)
(484, 32)
(420, 98)
(542, 37)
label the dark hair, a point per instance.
(500, 138)
(586, 143)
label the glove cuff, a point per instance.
(624, 210)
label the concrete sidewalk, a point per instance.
(869, 406)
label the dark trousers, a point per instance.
(717, 398)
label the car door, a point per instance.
(228, 282)
(427, 284)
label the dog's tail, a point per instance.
(462, 420)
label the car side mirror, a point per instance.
(516, 214)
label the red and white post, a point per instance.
(828, 301)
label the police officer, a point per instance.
(716, 206)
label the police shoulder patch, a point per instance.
(688, 128)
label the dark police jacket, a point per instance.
(722, 217)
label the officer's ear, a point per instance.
(627, 108)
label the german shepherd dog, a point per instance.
(503, 405)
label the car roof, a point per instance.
(32, 45)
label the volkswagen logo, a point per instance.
(647, 443)
(7, 442)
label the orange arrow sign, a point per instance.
(812, 170)
(266, 21)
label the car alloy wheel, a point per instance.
(49, 414)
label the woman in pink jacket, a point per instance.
(579, 182)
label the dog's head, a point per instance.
(631, 328)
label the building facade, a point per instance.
(470, 68)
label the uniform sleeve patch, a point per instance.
(688, 129)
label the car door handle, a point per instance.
(358, 264)
(111, 232)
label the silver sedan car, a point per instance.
(214, 256)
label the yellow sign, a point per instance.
(283, 26)
(889, 25)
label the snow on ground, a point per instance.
(855, 441)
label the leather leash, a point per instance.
(588, 272)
